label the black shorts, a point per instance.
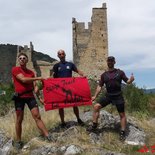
(20, 103)
(118, 101)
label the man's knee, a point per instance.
(19, 115)
(97, 107)
(19, 120)
(37, 117)
(122, 115)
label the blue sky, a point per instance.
(48, 24)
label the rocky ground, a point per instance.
(75, 139)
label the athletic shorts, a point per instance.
(118, 101)
(20, 103)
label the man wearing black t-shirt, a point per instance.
(61, 70)
(112, 80)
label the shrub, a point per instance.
(5, 100)
(136, 98)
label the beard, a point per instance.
(110, 65)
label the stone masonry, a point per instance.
(90, 46)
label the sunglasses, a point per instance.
(22, 58)
(61, 54)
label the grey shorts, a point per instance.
(118, 101)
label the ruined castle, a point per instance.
(90, 46)
(90, 49)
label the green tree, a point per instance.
(136, 98)
(5, 100)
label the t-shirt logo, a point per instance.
(59, 68)
(68, 67)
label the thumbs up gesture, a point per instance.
(132, 78)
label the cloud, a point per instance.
(131, 33)
(48, 24)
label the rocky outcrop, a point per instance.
(5, 144)
(108, 123)
(134, 136)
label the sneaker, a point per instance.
(18, 145)
(122, 135)
(80, 122)
(91, 128)
(50, 138)
(63, 125)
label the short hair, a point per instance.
(61, 51)
(111, 58)
(21, 53)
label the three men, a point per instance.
(24, 83)
(112, 80)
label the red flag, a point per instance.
(66, 92)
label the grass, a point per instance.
(30, 130)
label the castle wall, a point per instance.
(90, 46)
(40, 63)
(8, 55)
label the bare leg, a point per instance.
(18, 125)
(61, 113)
(36, 115)
(76, 112)
(96, 112)
(123, 120)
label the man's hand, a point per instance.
(131, 79)
(41, 100)
(93, 98)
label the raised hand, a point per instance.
(132, 77)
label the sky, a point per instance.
(48, 24)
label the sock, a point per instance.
(95, 125)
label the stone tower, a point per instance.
(90, 46)
(28, 52)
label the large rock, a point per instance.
(135, 135)
(5, 144)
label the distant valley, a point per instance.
(149, 91)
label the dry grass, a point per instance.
(51, 119)
(30, 130)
